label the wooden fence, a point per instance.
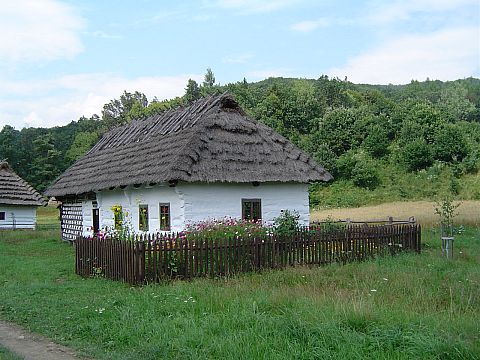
(156, 258)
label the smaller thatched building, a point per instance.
(18, 200)
(208, 160)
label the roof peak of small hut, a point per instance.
(16, 191)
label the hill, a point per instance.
(381, 142)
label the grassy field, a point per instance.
(406, 307)
(5, 354)
(468, 212)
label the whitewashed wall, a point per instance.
(129, 199)
(25, 217)
(87, 217)
(220, 200)
(191, 203)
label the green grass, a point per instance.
(396, 186)
(426, 308)
(48, 218)
(6, 354)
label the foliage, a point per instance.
(83, 142)
(402, 128)
(325, 156)
(226, 228)
(287, 223)
(365, 174)
(376, 142)
(122, 228)
(329, 225)
(209, 79)
(416, 155)
(450, 144)
(125, 109)
(446, 209)
(192, 91)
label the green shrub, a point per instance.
(471, 162)
(365, 174)
(345, 165)
(376, 142)
(326, 157)
(450, 144)
(287, 222)
(416, 155)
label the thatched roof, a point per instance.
(210, 141)
(16, 191)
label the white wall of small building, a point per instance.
(195, 202)
(18, 216)
(221, 200)
(130, 199)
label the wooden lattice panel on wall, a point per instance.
(72, 221)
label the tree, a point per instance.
(376, 142)
(46, 161)
(192, 92)
(209, 79)
(338, 130)
(9, 139)
(326, 157)
(455, 105)
(450, 144)
(365, 174)
(117, 111)
(427, 119)
(416, 155)
(83, 142)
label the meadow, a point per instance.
(468, 212)
(5, 354)
(403, 307)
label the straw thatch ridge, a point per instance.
(16, 191)
(210, 141)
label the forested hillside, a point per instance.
(381, 143)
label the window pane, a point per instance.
(118, 217)
(143, 217)
(251, 209)
(165, 217)
(2, 215)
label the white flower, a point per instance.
(385, 279)
(373, 290)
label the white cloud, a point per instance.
(46, 103)
(404, 9)
(36, 30)
(237, 58)
(309, 25)
(253, 6)
(444, 55)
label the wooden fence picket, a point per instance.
(148, 258)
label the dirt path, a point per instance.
(32, 346)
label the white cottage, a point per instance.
(186, 165)
(18, 200)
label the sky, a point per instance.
(60, 60)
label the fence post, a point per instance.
(419, 238)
